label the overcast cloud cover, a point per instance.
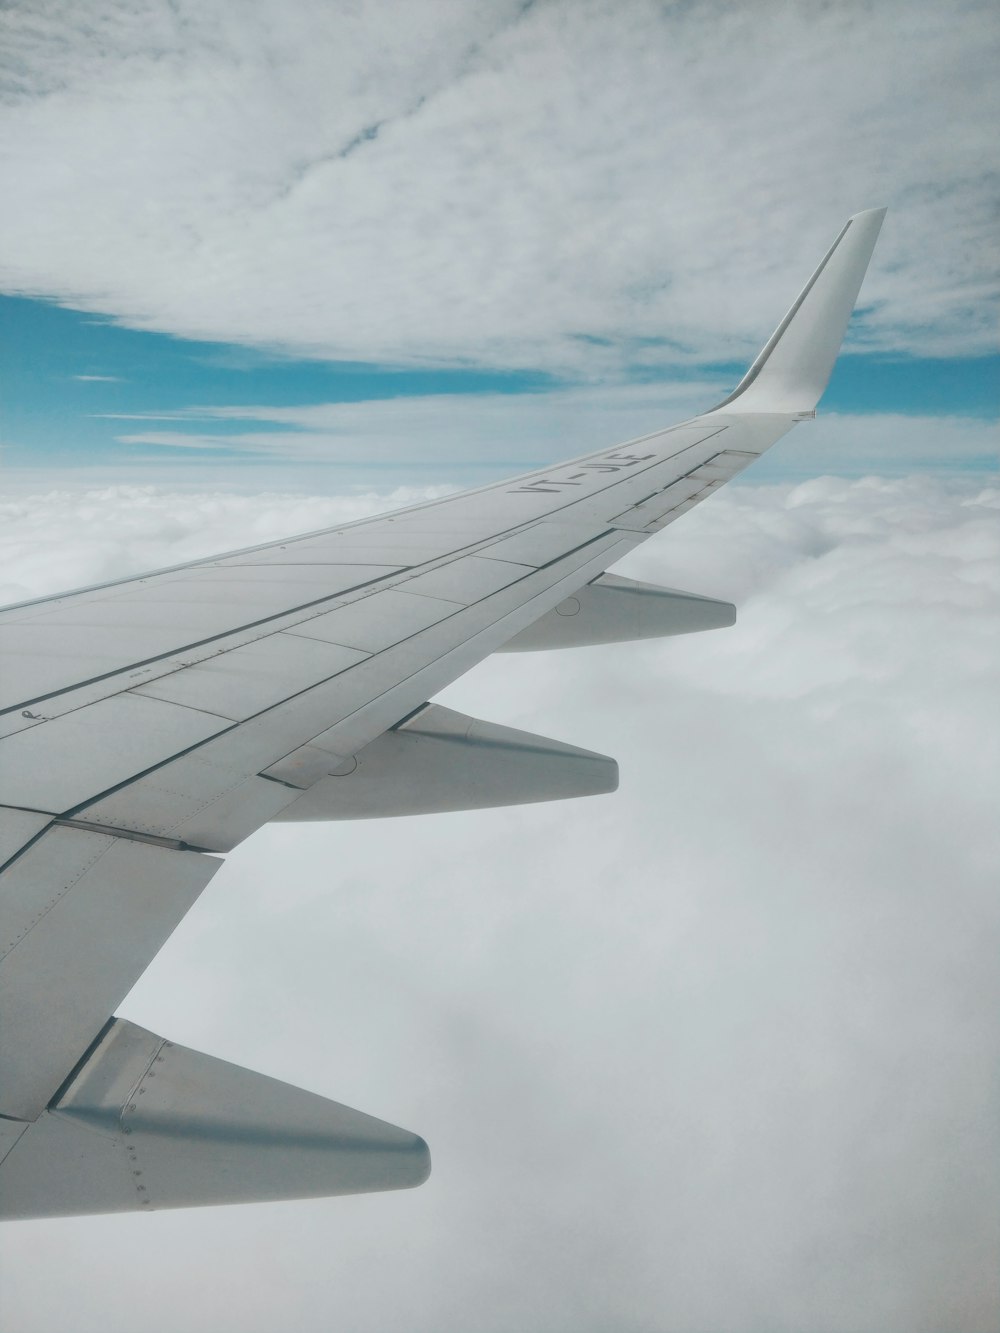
(718, 1053)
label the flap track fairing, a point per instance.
(438, 759)
(144, 1124)
(614, 610)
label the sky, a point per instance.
(718, 1053)
(308, 243)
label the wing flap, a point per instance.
(81, 914)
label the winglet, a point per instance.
(793, 368)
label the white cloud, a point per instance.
(514, 432)
(715, 1053)
(500, 183)
(127, 528)
(98, 379)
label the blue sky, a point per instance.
(71, 377)
(475, 239)
(78, 387)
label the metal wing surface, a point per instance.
(151, 724)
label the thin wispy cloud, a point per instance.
(512, 432)
(99, 379)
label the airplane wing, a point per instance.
(149, 725)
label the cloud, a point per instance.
(714, 1053)
(127, 528)
(98, 379)
(565, 186)
(513, 432)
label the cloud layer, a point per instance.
(714, 1053)
(508, 433)
(565, 185)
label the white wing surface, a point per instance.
(150, 724)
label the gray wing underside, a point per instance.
(150, 724)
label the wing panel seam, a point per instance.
(54, 902)
(198, 643)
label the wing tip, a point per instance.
(870, 213)
(791, 372)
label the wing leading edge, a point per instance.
(148, 723)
